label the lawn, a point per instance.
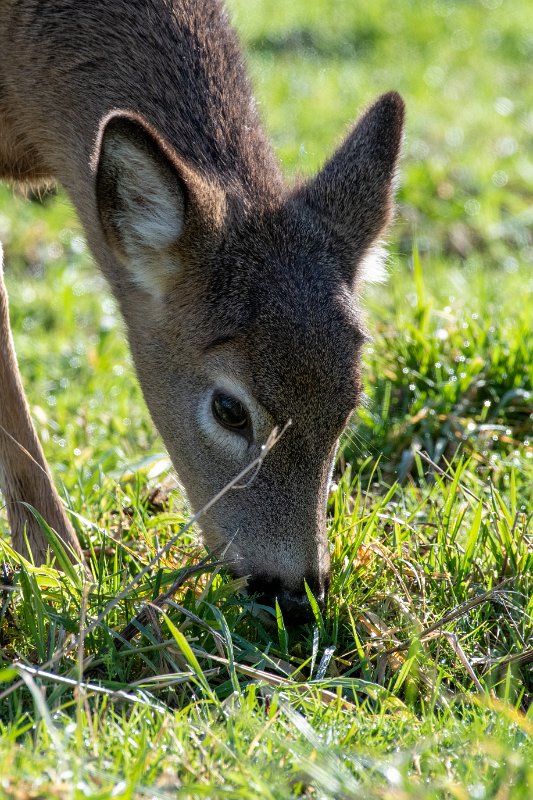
(417, 679)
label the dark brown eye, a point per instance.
(230, 413)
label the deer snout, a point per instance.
(293, 601)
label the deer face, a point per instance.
(242, 319)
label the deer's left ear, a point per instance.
(355, 188)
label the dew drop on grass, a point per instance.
(491, 38)
(29, 324)
(434, 76)
(510, 264)
(392, 775)
(506, 146)
(472, 208)
(77, 244)
(454, 136)
(28, 294)
(504, 106)
(500, 178)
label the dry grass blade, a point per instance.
(450, 616)
(132, 628)
(395, 660)
(460, 653)
(116, 694)
(517, 658)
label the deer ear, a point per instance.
(141, 201)
(355, 188)
(153, 208)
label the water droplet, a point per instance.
(504, 106)
(500, 178)
(506, 146)
(472, 208)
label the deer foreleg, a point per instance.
(24, 473)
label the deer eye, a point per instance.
(230, 413)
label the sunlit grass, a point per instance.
(416, 680)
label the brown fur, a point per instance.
(226, 278)
(24, 473)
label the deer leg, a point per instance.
(24, 473)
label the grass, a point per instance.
(417, 680)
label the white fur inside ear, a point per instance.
(149, 213)
(373, 266)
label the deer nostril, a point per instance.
(265, 589)
(296, 609)
(294, 605)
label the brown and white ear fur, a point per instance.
(355, 188)
(148, 200)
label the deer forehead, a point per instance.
(304, 371)
(286, 326)
(310, 376)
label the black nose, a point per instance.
(294, 605)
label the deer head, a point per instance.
(243, 315)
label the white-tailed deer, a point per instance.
(238, 292)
